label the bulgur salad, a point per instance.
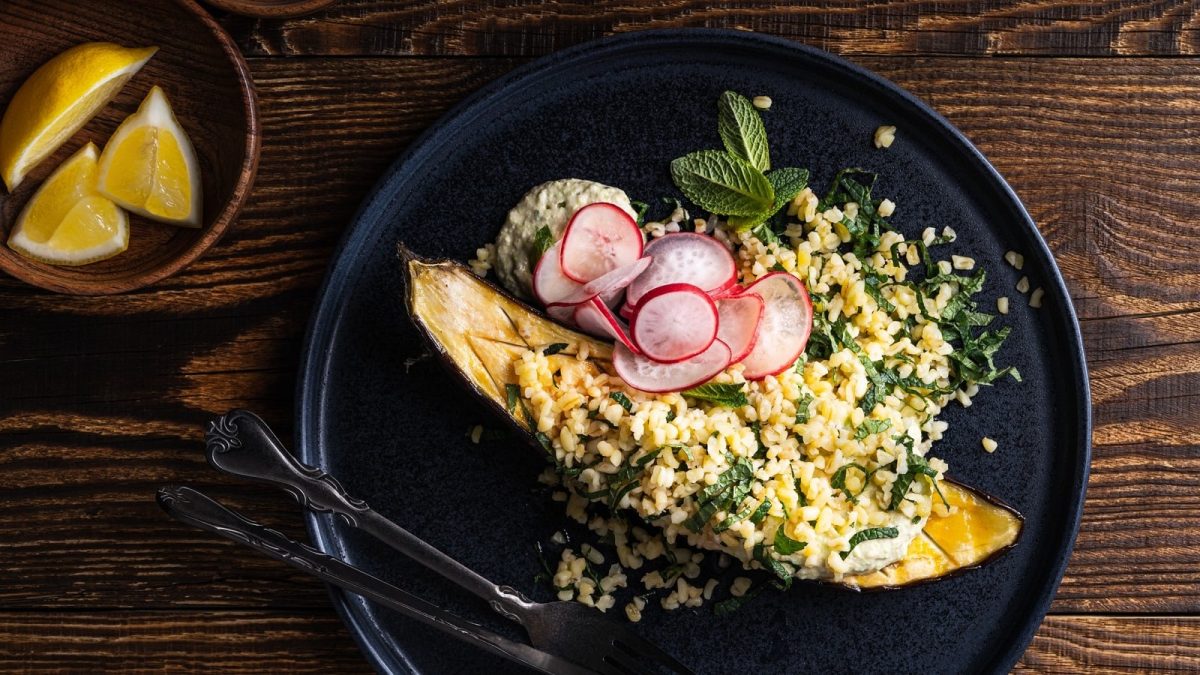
(764, 381)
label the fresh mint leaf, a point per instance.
(787, 183)
(867, 535)
(722, 183)
(729, 395)
(741, 129)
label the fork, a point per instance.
(241, 444)
(197, 509)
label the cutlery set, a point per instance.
(567, 638)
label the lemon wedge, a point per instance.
(149, 166)
(67, 222)
(58, 99)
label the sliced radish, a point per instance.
(685, 258)
(595, 318)
(650, 376)
(626, 311)
(674, 322)
(549, 283)
(614, 280)
(740, 316)
(564, 314)
(784, 327)
(600, 238)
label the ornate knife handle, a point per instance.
(241, 444)
(196, 509)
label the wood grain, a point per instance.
(301, 642)
(227, 642)
(102, 400)
(905, 27)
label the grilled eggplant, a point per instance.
(479, 332)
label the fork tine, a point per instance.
(641, 648)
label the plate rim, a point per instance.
(312, 371)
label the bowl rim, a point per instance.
(284, 9)
(34, 273)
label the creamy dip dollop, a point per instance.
(551, 205)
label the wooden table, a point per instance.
(1090, 109)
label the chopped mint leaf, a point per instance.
(869, 534)
(670, 415)
(869, 427)
(764, 233)
(784, 544)
(640, 209)
(543, 239)
(730, 395)
(732, 604)
(802, 406)
(722, 183)
(760, 514)
(554, 348)
(838, 482)
(621, 398)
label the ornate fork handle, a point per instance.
(241, 444)
(194, 508)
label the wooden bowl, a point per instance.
(271, 9)
(210, 89)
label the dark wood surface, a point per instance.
(102, 399)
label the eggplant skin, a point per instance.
(478, 331)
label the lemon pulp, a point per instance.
(149, 166)
(58, 99)
(67, 222)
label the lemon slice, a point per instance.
(67, 222)
(149, 166)
(58, 99)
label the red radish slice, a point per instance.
(600, 238)
(784, 327)
(626, 311)
(549, 283)
(613, 298)
(614, 280)
(740, 316)
(564, 314)
(685, 258)
(595, 318)
(650, 376)
(674, 323)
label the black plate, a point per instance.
(617, 111)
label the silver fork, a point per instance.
(241, 444)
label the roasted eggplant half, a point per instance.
(479, 332)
